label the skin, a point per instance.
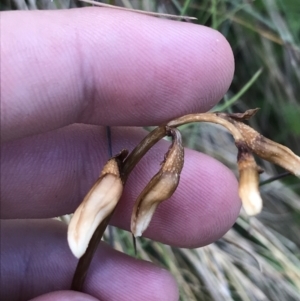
(66, 74)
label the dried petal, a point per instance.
(160, 188)
(96, 206)
(248, 180)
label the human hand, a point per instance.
(66, 74)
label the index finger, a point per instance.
(105, 67)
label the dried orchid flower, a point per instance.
(264, 147)
(248, 180)
(248, 170)
(160, 187)
(96, 206)
(92, 216)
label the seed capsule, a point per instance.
(160, 187)
(269, 150)
(96, 206)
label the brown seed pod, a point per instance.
(160, 187)
(268, 149)
(264, 148)
(96, 206)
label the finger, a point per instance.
(50, 174)
(65, 296)
(35, 260)
(106, 67)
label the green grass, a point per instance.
(259, 258)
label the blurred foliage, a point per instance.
(259, 258)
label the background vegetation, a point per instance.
(259, 258)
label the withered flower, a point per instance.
(96, 206)
(160, 187)
(248, 180)
(248, 170)
(91, 218)
(265, 149)
(262, 146)
(270, 150)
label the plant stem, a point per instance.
(85, 261)
(207, 117)
(275, 178)
(141, 149)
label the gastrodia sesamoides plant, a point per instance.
(96, 206)
(160, 187)
(248, 141)
(92, 216)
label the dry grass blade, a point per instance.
(169, 16)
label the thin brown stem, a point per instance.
(85, 261)
(207, 117)
(143, 12)
(141, 149)
(157, 134)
